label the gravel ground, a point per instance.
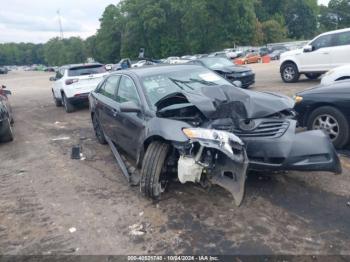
(51, 204)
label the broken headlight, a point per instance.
(223, 138)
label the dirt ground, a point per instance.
(51, 204)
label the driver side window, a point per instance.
(127, 91)
(322, 42)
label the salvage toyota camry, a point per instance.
(186, 122)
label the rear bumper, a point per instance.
(305, 151)
(79, 98)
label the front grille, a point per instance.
(269, 128)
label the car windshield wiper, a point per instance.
(202, 82)
(177, 81)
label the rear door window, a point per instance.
(109, 87)
(341, 39)
(86, 70)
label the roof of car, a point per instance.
(162, 68)
(337, 31)
(79, 65)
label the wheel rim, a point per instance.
(328, 124)
(289, 73)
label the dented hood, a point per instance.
(229, 101)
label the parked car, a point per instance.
(326, 108)
(324, 52)
(219, 54)
(73, 83)
(171, 60)
(142, 63)
(187, 122)
(6, 117)
(3, 70)
(275, 55)
(249, 59)
(336, 74)
(228, 70)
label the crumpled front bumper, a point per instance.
(304, 151)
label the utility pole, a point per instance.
(60, 24)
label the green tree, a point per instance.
(273, 31)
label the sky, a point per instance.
(36, 21)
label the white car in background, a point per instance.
(73, 83)
(323, 53)
(336, 74)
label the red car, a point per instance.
(249, 59)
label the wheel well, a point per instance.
(313, 108)
(288, 62)
(151, 139)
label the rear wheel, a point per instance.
(98, 131)
(154, 177)
(312, 76)
(8, 135)
(333, 122)
(289, 73)
(67, 105)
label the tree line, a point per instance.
(178, 27)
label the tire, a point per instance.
(98, 131)
(312, 76)
(289, 73)
(153, 170)
(337, 123)
(8, 135)
(67, 105)
(57, 102)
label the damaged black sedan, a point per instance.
(188, 123)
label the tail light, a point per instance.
(71, 81)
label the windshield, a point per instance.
(216, 62)
(160, 85)
(86, 70)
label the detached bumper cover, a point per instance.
(305, 151)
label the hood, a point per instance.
(339, 87)
(229, 102)
(231, 69)
(292, 53)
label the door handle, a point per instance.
(115, 112)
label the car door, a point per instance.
(340, 54)
(58, 84)
(319, 59)
(107, 107)
(130, 125)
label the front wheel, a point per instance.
(98, 131)
(8, 135)
(333, 122)
(312, 76)
(57, 102)
(154, 177)
(289, 73)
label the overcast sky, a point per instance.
(37, 20)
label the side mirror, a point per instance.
(52, 78)
(129, 107)
(308, 49)
(237, 83)
(3, 86)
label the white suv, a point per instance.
(321, 54)
(73, 83)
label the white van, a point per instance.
(326, 51)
